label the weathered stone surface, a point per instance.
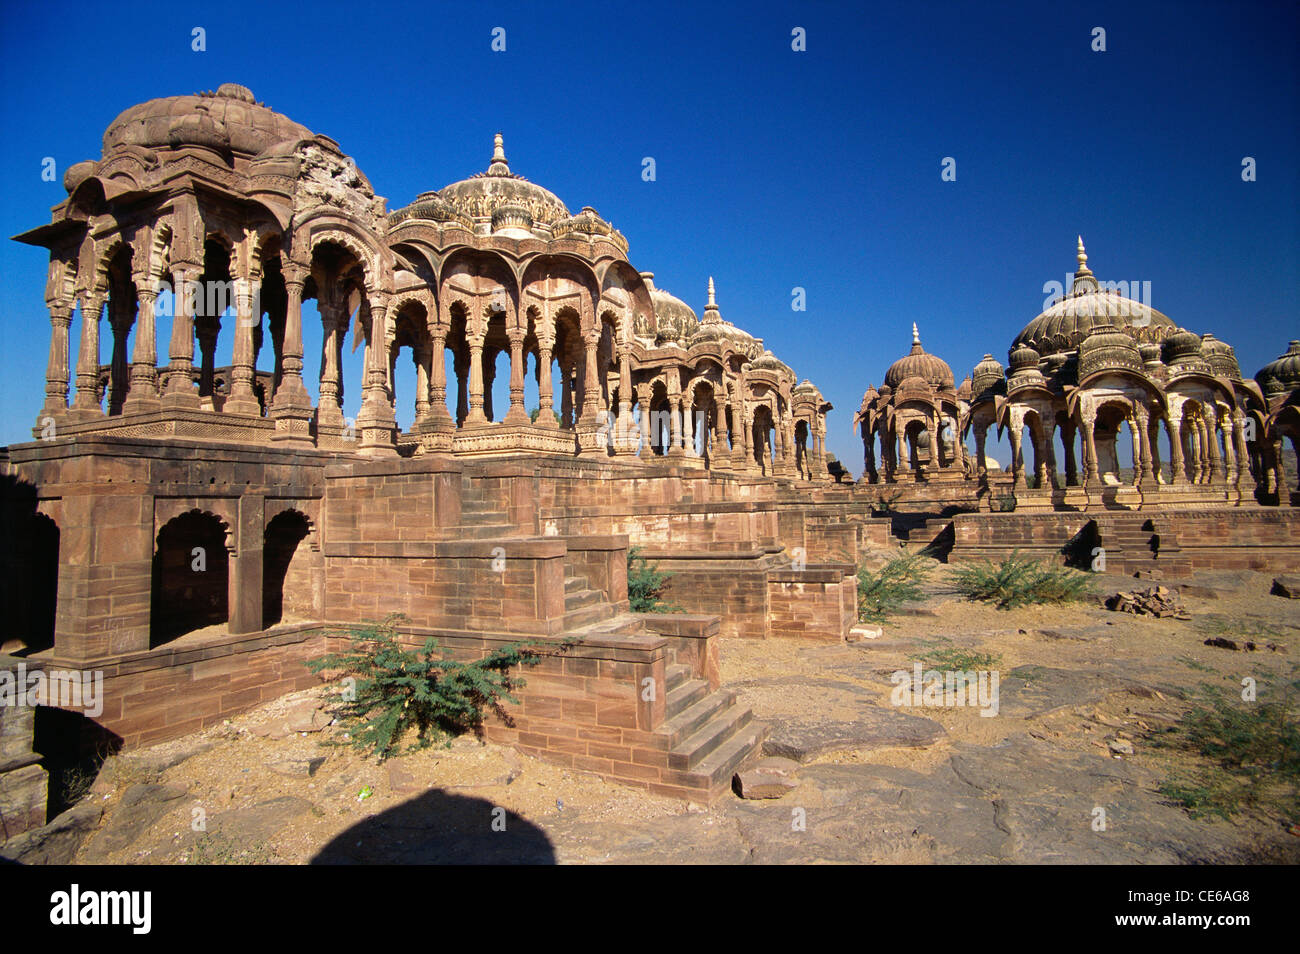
(142, 804)
(1287, 585)
(56, 843)
(297, 766)
(260, 822)
(877, 728)
(755, 783)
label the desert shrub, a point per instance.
(1250, 752)
(952, 658)
(398, 689)
(1018, 581)
(897, 582)
(646, 585)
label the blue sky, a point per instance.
(775, 169)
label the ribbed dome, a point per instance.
(1221, 358)
(1182, 353)
(1281, 375)
(917, 364)
(714, 328)
(1064, 325)
(1108, 349)
(230, 119)
(767, 361)
(481, 195)
(987, 379)
(674, 319)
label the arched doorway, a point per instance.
(283, 570)
(190, 577)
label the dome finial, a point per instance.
(1082, 256)
(498, 166)
(712, 302)
(916, 335)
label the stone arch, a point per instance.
(287, 567)
(190, 588)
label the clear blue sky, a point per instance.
(775, 168)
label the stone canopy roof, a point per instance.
(229, 118)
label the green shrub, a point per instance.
(1251, 752)
(646, 585)
(1017, 581)
(897, 582)
(398, 689)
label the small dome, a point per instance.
(916, 363)
(674, 319)
(1108, 348)
(1281, 375)
(1221, 358)
(987, 379)
(714, 328)
(481, 195)
(767, 361)
(230, 119)
(76, 174)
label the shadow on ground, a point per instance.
(440, 828)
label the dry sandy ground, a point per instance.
(879, 783)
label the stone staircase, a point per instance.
(708, 735)
(1139, 542)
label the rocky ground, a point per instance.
(1087, 700)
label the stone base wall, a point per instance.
(24, 783)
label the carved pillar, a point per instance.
(143, 392)
(981, 440)
(517, 414)
(591, 383)
(376, 422)
(644, 392)
(1178, 469)
(422, 362)
(1017, 456)
(1243, 452)
(1092, 471)
(292, 408)
(242, 399)
(330, 409)
(1144, 473)
(476, 336)
(721, 456)
(624, 443)
(1213, 461)
(86, 403)
(56, 368)
(180, 377)
(675, 448)
(438, 376)
(545, 397)
(1231, 473)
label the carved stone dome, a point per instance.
(230, 119)
(674, 319)
(481, 195)
(1108, 348)
(1064, 325)
(1221, 358)
(714, 328)
(1281, 375)
(987, 379)
(1182, 353)
(916, 363)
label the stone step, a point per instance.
(481, 532)
(717, 769)
(691, 719)
(683, 696)
(694, 749)
(572, 583)
(624, 624)
(584, 617)
(580, 598)
(675, 675)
